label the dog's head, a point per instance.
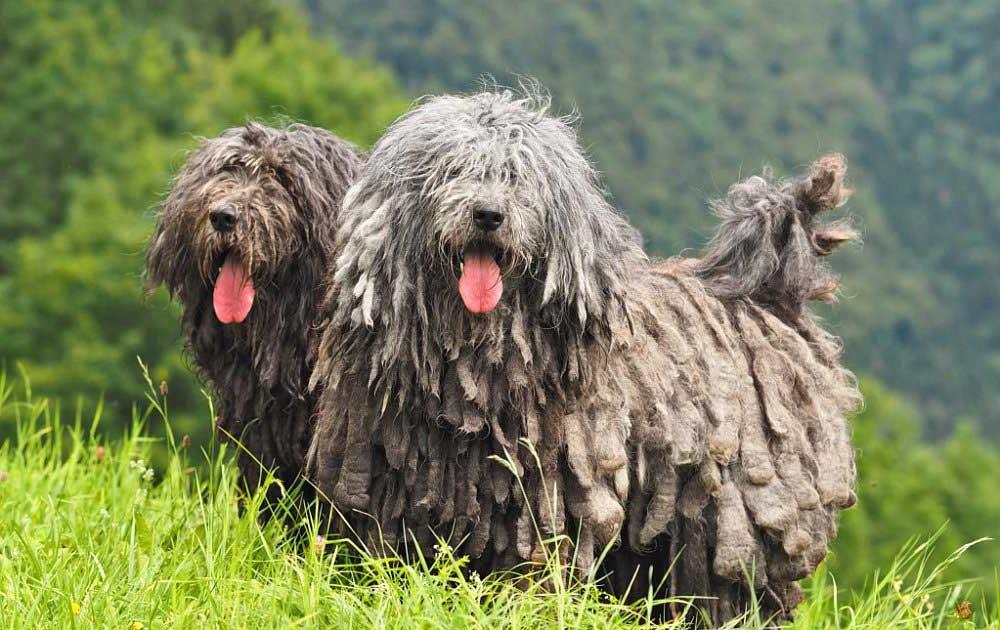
(244, 207)
(493, 203)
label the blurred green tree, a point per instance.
(102, 104)
(909, 488)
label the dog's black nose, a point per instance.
(487, 219)
(223, 218)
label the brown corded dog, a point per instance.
(244, 241)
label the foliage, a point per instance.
(175, 550)
(907, 486)
(102, 100)
(681, 98)
(678, 100)
(82, 83)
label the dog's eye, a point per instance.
(508, 173)
(454, 172)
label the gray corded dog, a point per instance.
(244, 241)
(501, 365)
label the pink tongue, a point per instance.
(233, 295)
(480, 285)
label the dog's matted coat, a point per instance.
(243, 241)
(501, 364)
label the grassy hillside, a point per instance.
(93, 534)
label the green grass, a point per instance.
(90, 536)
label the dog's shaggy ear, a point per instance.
(316, 168)
(157, 266)
(169, 257)
(592, 249)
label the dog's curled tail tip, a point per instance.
(825, 186)
(769, 245)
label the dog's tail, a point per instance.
(769, 247)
